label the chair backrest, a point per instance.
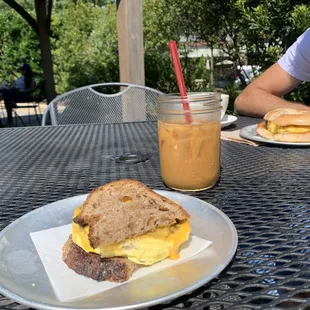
(103, 103)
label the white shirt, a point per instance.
(296, 60)
(20, 83)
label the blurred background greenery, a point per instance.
(85, 50)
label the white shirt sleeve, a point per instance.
(296, 60)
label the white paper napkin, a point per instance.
(235, 137)
(69, 286)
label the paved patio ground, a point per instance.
(27, 115)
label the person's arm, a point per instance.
(264, 94)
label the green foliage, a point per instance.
(233, 90)
(161, 25)
(264, 29)
(300, 94)
(204, 20)
(85, 51)
(269, 28)
(159, 29)
(99, 3)
(301, 17)
(19, 44)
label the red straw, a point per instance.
(178, 72)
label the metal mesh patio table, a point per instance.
(265, 191)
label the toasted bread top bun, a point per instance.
(293, 120)
(125, 209)
(288, 115)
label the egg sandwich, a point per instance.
(287, 125)
(122, 226)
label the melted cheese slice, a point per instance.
(146, 250)
(271, 126)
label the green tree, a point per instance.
(41, 26)
(301, 17)
(268, 28)
(19, 44)
(161, 20)
(209, 21)
(84, 38)
(85, 51)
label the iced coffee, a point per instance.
(189, 152)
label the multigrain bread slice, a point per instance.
(125, 209)
(117, 269)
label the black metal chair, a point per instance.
(15, 99)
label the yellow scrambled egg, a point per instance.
(271, 126)
(146, 250)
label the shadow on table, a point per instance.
(200, 293)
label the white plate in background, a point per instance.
(228, 120)
(249, 132)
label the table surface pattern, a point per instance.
(264, 190)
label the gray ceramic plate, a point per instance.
(249, 132)
(21, 267)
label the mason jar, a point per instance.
(189, 140)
